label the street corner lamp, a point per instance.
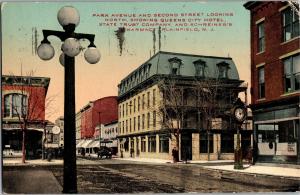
(69, 18)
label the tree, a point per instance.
(27, 103)
(204, 100)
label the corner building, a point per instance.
(142, 123)
(275, 80)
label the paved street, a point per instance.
(121, 176)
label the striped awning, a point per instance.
(79, 145)
(86, 143)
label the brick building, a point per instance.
(275, 80)
(95, 113)
(23, 100)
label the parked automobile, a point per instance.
(104, 152)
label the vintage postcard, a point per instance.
(150, 97)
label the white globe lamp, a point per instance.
(45, 51)
(71, 47)
(62, 59)
(92, 55)
(68, 15)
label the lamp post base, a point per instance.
(238, 159)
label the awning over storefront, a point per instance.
(276, 120)
(86, 143)
(94, 144)
(79, 145)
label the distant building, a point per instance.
(148, 121)
(60, 123)
(101, 111)
(109, 136)
(78, 127)
(275, 80)
(94, 115)
(23, 97)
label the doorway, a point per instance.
(186, 146)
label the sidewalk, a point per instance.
(18, 161)
(227, 165)
(29, 181)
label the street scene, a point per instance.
(127, 176)
(149, 97)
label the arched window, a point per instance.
(175, 64)
(15, 105)
(223, 70)
(199, 68)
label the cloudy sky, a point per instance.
(19, 21)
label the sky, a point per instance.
(94, 81)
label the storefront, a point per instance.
(277, 135)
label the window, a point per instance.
(290, 21)
(153, 99)
(134, 124)
(143, 121)
(15, 105)
(126, 145)
(126, 126)
(261, 37)
(223, 70)
(227, 143)
(123, 109)
(292, 73)
(199, 68)
(123, 127)
(129, 125)
(126, 109)
(261, 82)
(163, 144)
(143, 144)
(143, 101)
(130, 105)
(139, 103)
(120, 111)
(152, 143)
(154, 118)
(139, 126)
(134, 105)
(148, 120)
(148, 99)
(175, 64)
(204, 144)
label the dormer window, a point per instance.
(223, 70)
(175, 64)
(199, 68)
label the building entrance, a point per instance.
(186, 146)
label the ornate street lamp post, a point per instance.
(69, 18)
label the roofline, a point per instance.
(112, 96)
(172, 53)
(250, 4)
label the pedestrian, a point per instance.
(174, 154)
(249, 155)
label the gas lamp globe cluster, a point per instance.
(69, 18)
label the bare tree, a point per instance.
(207, 99)
(27, 105)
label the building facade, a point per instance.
(60, 123)
(275, 80)
(78, 126)
(108, 137)
(93, 116)
(159, 108)
(23, 106)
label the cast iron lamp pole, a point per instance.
(68, 17)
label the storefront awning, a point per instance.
(79, 145)
(94, 144)
(86, 143)
(276, 120)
